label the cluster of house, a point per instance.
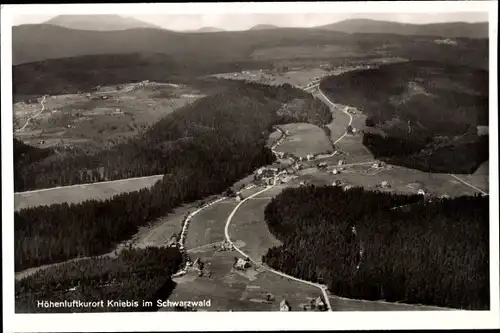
(315, 304)
(197, 266)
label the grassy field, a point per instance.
(75, 119)
(304, 139)
(248, 225)
(208, 226)
(229, 289)
(299, 77)
(401, 180)
(79, 193)
(343, 304)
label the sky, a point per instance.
(241, 21)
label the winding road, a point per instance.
(32, 117)
(323, 288)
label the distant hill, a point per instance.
(264, 27)
(207, 29)
(451, 30)
(428, 113)
(99, 22)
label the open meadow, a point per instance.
(304, 139)
(104, 116)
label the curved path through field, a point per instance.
(32, 117)
(323, 288)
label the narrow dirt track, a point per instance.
(32, 117)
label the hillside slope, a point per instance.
(32, 43)
(451, 29)
(99, 22)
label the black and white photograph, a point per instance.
(246, 159)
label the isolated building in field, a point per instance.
(335, 171)
(319, 304)
(284, 306)
(310, 157)
(385, 184)
(341, 162)
(242, 264)
(239, 197)
(336, 183)
(422, 191)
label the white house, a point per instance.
(335, 171)
(310, 157)
(422, 191)
(341, 162)
(284, 306)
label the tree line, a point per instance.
(432, 253)
(156, 151)
(134, 275)
(202, 151)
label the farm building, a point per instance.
(241, 264)
(422, 191)
(341, 162)
(335, 171)
(310, 157)
(284, 306)
(239, 197)
(336, 183)
(319, 304)
(385, 184)
(322, 165)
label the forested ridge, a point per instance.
(434, 253)
(202, 149)
(134, 275)
(239, 116)
(428, 112)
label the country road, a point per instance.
(228, 238)
(36, 115)
(470, 185)
(323, 288)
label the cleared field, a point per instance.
(298, 77)
(284, 52)
(304, 139)
(100, 117)
(230, 289)
(250, 227)
(79, 193)
(207, 226)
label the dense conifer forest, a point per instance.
(428, 111)
(432, 253)
(202, 150)
(134, 275)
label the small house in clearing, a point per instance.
(341, 162)
(319, 304)
(335, 171)
(422, 191)
(241, 264)
(385, 184)
(284, 306)
(310, 157)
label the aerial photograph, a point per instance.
(251, 162)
